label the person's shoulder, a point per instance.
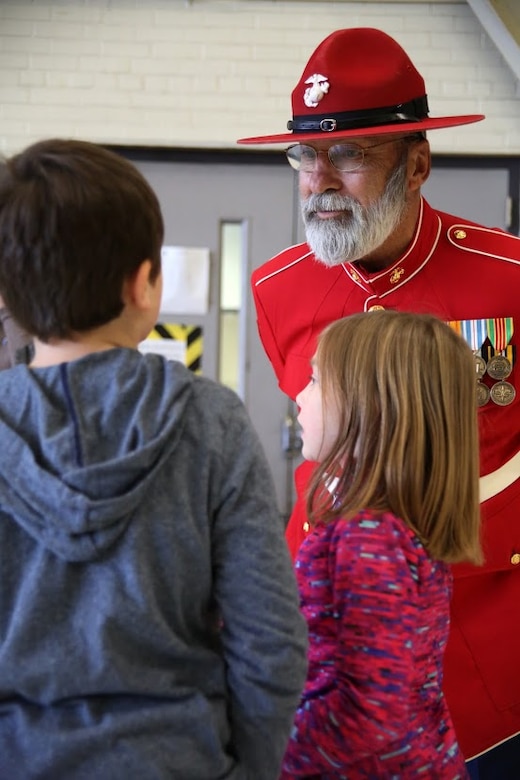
(373, 542)
(372, 529)
(204, 392)
(284, 261)
(205, 386)
(472, 237)
(214, 400)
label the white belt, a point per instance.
(494, 483)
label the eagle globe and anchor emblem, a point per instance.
(317, 91)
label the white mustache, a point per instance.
(328, 202)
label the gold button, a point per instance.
(515, 559)
(460, 234)
(376, 307)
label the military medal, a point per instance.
(480, 366)
(496, 360)
(483, 394)
(500, 331)
(474, 333)
(499, 367)
(503, 393)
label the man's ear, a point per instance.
(419, 165)
(137, 287)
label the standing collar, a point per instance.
(424, 241)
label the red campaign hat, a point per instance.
(359, 81)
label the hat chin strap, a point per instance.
(412, 111)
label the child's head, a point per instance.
(76, 220)
(399, 393)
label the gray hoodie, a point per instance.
(149, 619)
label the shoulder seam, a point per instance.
(284, 268)
(501, 234)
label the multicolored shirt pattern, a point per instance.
(377, 607)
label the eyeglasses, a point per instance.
(344, 157)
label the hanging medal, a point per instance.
(500, 331)
(475, 333)
(500, 364)
(502, 393)
(483, 393)
(480, 366)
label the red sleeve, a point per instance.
(267, 337)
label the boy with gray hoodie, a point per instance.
(149, 618)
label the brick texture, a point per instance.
(202, 73)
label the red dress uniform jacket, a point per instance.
(457, 270)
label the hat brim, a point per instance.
(405, 127)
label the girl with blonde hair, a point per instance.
(390, 416)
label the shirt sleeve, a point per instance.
(264, 634)
(365, 706)
(267, 336)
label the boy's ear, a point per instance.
(137, 287)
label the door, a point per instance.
(197, 199)
(477, 194)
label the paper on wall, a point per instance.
(168, 348)
(185, 280)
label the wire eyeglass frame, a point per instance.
(295, 160)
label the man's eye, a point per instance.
(307, 154)
(345, 152)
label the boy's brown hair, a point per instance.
(408, 439)
(76, 220)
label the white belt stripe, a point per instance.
(494, 483)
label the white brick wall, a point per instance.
(202, 74)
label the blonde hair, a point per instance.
(408, 436)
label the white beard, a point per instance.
(360, 229)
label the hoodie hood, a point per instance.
(81, 442)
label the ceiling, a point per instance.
(501, 21)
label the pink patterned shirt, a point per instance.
(377, 607)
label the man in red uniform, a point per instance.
(357, 138)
